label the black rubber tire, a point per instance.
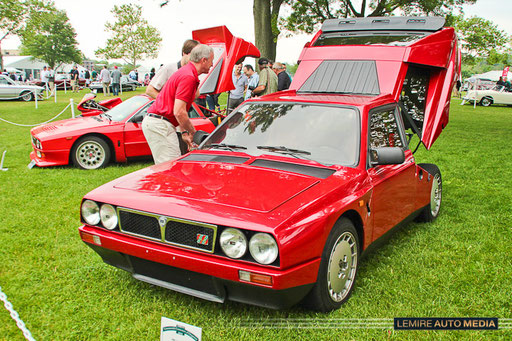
(27, 96)
(430, 212)
(486, 101)
(98, 149)
(342, 234)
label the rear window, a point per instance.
(361, 38)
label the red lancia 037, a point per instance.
(278, 204)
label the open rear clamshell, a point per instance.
(228, 51)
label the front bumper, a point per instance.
(50, 158)
(201, 275)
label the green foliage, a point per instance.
(480, 38)
(50, 37)
(132, 38)
(307, 15)
(458, 266)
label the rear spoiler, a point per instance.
(376, 24)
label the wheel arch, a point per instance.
(101, 136)
(355, 218)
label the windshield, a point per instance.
(325, 134)
(126, 108)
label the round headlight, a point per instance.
(233, 242)
(263, 248)
(108, 216)
(90, 212)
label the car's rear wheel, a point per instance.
(91, 152)
(338, 268)
(27, 96)
(431, 211)
(486, 101)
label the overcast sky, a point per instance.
(178, 19)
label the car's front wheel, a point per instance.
(91, 152)
(27, 96)
(338, 268)
(486, 101)
(431, 211)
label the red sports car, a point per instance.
(91, 142)
(280, 201)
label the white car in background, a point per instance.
(10, 89)
(496, 95)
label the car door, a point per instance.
(393, 185)
(135, 143)
(7, 89)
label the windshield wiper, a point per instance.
(284, 150)
(107, 115)
(230, 147)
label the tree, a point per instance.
(50, 37)
(480, 38)
(307, 15)
(266, 31)
(13, 16)
(132, 38)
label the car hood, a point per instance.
(236, 186)
(67, 126)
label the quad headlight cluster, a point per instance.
(37, 143)
(262, 246)
(93, 214)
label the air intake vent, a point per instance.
(317, 172)
(215, 158)
(344, 77)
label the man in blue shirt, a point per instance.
(253, 80)
(236, 96)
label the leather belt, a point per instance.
(160, 117)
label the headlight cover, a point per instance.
(263, 248)
(90, 212)
(108, 216)
(233, 242)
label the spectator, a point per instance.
(51, 79)
(132, 75)
(94, 74)
(283, 79)
(152, 74)
(104, 78)
(170, 109)
(213, 102)
(74, 78)
(268, 79)
(87, 76)
(116, 81)
(166, 71)
(236, 96)
(252, 80)
(44, 78)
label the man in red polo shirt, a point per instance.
(170, 109)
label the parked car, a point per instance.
(497, 95)
(91, 142)
(62, 81)
(127, 84)
(278, 204)
(10, 89)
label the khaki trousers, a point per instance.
(162, 139)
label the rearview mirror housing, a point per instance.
(387, 156)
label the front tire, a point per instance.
(431, 211)
(338, 269)
(90, 152)
(486, 101)
(27, 96)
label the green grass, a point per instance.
(458, 266)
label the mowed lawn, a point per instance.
(458, 266)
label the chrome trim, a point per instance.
(163, 228)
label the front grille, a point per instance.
(200, 237)
(189, 234)
(140, 224)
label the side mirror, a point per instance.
(200, 136)
(137, 119)
(387, 156)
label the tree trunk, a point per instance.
(263, 29)
(1, 58)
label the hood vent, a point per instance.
(215, 158)
(317, 172)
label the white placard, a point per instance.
(172, 330)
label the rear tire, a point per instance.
(486, 101)
(338, 269)
(27, 96)
(431, 211)
(90, 152)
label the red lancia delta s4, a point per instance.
(277, 205)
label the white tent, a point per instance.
(492, 75)
(31, 65)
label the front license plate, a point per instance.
(31, 164)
